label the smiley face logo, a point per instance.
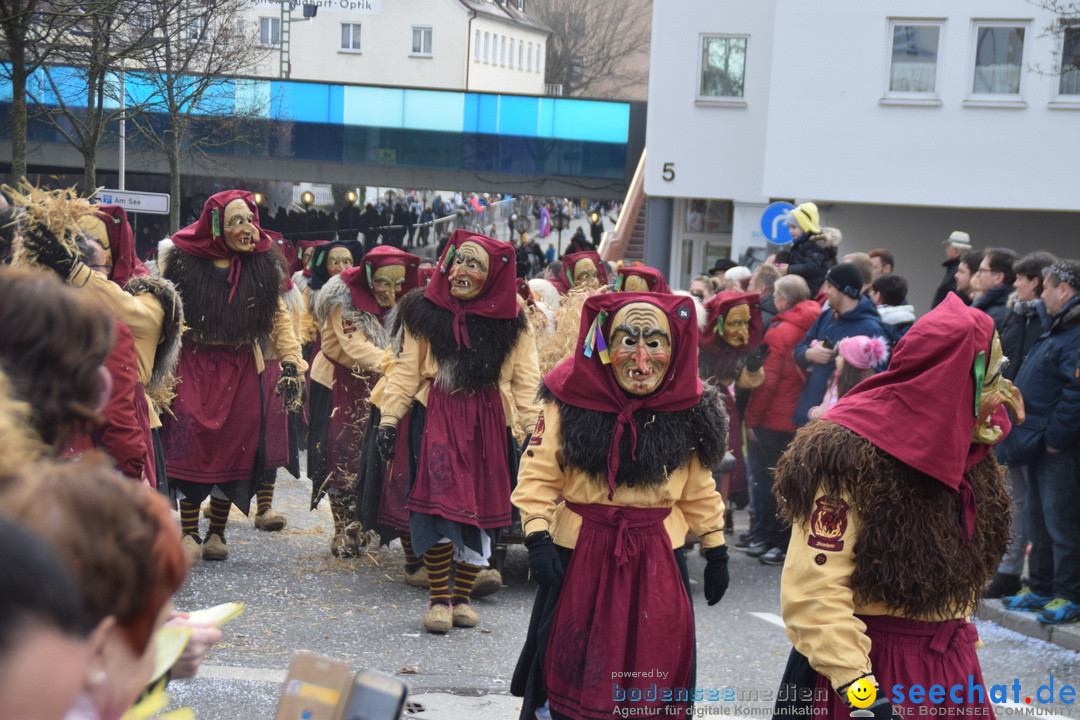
(861, 693)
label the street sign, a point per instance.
(773, 225)
(144, 202)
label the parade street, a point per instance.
(299, 597)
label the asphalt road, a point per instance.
(299, 597)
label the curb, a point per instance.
(1066, 636)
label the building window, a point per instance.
(999, 58)
(502, 53)
(913, 62)
(521, 55)
(487, 47)
(723, 67)
(1069, 84)
(350, 37)
(270, 31)
(476, 47)
(539, 58)
(510, 61)
(529, 66)
(421, 40)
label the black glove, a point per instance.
(288, 386)
(716, 574)
(48, 250)
(756, 358)
(386, 441)
(544, 563)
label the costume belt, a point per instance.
(621, 519)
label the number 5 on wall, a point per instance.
(668, 173)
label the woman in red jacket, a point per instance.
(768, 416)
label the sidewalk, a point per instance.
(444, 706)
(1066, 636)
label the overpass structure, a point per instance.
(299, 131)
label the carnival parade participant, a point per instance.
(581, 269)
(350, 309)
(231, 286)
(731, 357)
(149, 306)
(640, 278)
(468, 356)
(899, 515)
(605, 521)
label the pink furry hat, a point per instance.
(863, 352)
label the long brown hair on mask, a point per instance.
(118, 538)
(910, 551)
(53, 340)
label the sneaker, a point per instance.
(1003, 585)
(270, 521)
(464, 616)
(776, 556)
(756, 548)
(744, 540)
(214, 548)
(1059, 611)
(438, 619)
(1026, 600)
(488, 582)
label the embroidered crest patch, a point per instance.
(828, 524)
(538, 431)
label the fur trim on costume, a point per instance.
(204, 288)
(163, 377)
(665, 440)
(335, 293)
(469, 368)
(910, 551)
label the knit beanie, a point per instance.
(847, 278)
(806, 216)
(862, 351)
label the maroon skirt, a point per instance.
(462, 473)
(351, 395)
(395, 490)
(215, 433)
(277, 418)
(909, 652)
(623, 632)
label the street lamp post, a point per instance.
(307, 197)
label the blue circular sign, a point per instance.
(772, 223)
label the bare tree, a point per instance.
(1064, 29)
(32, 31)
(78, 96)
(191, 102)
(596, 47)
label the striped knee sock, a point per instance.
(464, 577)
(437, 561)
(189, 518)
(339, 508)
(412, 563)
(264, 496)
(219, 516)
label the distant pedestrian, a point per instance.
(955, 245)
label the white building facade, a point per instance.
(904, 121)
(477, 45)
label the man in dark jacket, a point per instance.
(849, 313)
(1047, 440)
(996, 278)
(955, 246)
